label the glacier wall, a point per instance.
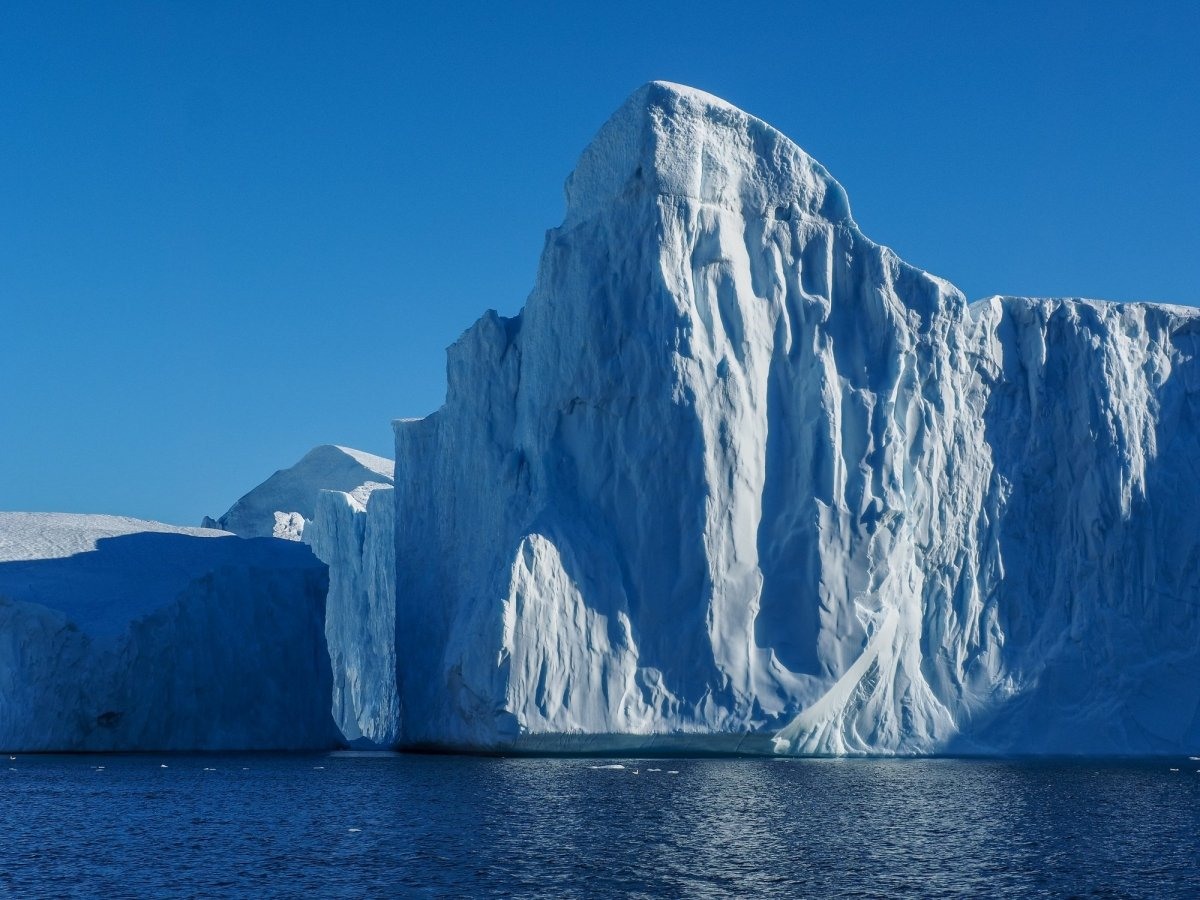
(738, 477)
(117, 634)
(354, 533)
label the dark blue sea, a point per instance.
(351, 825)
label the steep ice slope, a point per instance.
(118, 634)
(354, 534)
(280, 505)
(738, 477)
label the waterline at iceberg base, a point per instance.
(739, 479)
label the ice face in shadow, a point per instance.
(739, 478)
(118, 634)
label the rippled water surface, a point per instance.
(374, 825)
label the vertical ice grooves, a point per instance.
(819, 498)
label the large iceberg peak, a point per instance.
(740, 478)
(676, 141)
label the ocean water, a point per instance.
(354, 825)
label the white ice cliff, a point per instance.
(280, 505)
(354, 533)
(739, 478)
(119, 634)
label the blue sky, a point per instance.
(232, 231)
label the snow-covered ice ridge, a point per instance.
(280, 506)
(120, 634)
(739, 478)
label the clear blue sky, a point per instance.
(232, 231)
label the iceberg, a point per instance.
(123, 635)
(738, 478)
(280, 506)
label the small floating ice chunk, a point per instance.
(352, 830)
(672, 771)
(163, 766)
(1174, 770)
(609, 766)
(654, 770)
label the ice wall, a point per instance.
(117, 634)
(354, 533)
(736, 470)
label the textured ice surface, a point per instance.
(119, 634)
(739, 478)
(280, 505)
(354, 533)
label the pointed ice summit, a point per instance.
(739, 479)
(280, 505)
(673, 141)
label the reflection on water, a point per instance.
(357, 824)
